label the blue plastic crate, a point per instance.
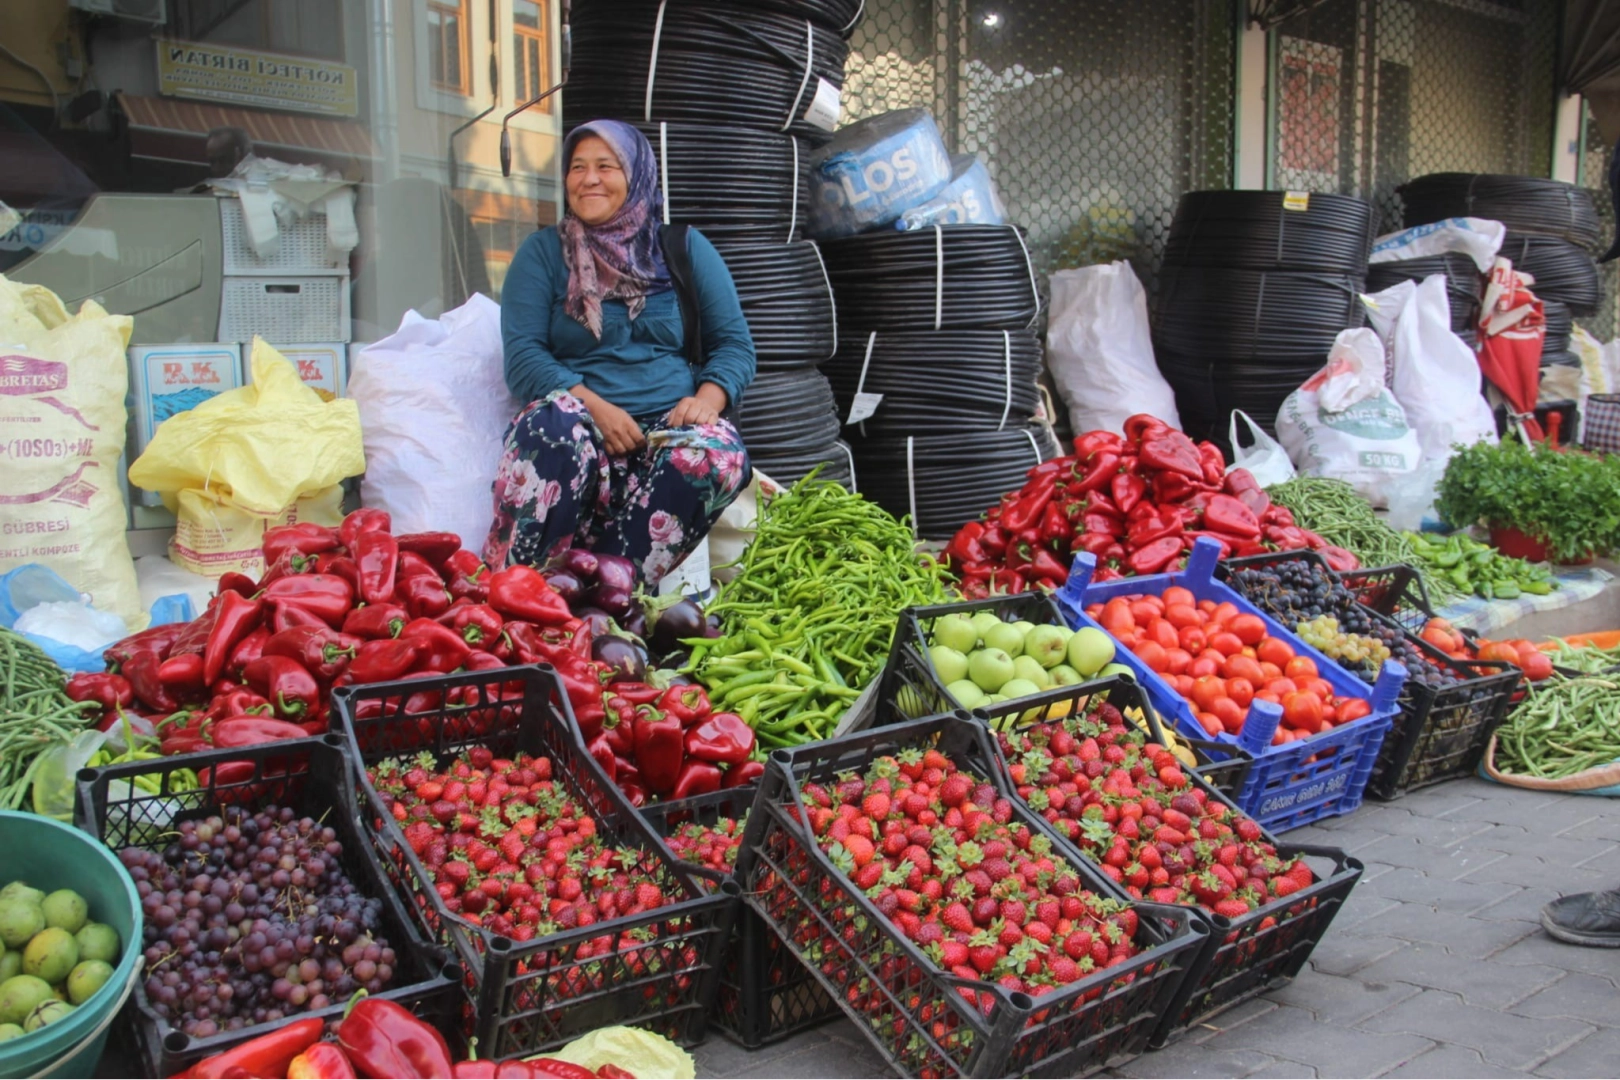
(1289, 785)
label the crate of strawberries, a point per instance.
(1090, 764)
(512, 846)
(1449, 704)
(262, 904)
(765, 994)
(1220, 667)
(942, 916)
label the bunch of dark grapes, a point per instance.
(250, 919)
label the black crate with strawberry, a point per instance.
(1449, 707)
(912, 685)
(513, 846)
(942, 916)
(765, 993)
(1090, 765)
(190, 816)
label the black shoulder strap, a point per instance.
(678, 257)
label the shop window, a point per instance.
(312, 28)
(531, 56)
(447, 26)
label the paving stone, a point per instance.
(1547, 848)
(1232, 1018)
(1341, 954)
(1556, 878)
(1579, 997)
(1189, 1059)
(1546, 817)
(1359, 908)
(1292, 1034)
(1431, 966)
(1523, 905)
(1453, 897)
(1595, 1056)
(1472, 939)
(1283, 1070)
(1606, 828)
(1334, 1000)
(1606, 861)
(1501, 1038)
(1452, 1061)
(1444, 832)
(1431, 859)
(1442, 800)
(1540, 949)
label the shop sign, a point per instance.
(245, 77)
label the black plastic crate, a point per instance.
(765, 994)
(1244, 957)
(1395, 592)
(312, 777)
(1441, 731)
(655, 970)
(920, 1018)
(910, 688)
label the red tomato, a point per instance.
(1537, 666)
(1281, 687)
(1093, 610)
(1146, 609)
(1129, 638)
(1240, 690)
(1230, 714)
(1202, 666)
(1226, 643)
(1177, 594)
(1178, 659)
(1241, 667)
(1205, 690)
(1181, 615)
(1224, 611)
(1274, 651)
(1206, 606)
(1303, 712)
(1300, 665)
(1116, 610)
(1270, 670)
(1268, 695)
(1321, 688)
(1439, 638)
(1207, 721)
(1250, 629)
(1499, 652)
(1282, 736)
(1193, 639)
(1353, 709)
(1164, 633)
(1153, 655)
(1181, 684)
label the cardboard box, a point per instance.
(324, 366)
(168, 379)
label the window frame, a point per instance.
(181, 29)
(461, 10)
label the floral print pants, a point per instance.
(557, 487)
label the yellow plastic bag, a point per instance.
(214, 536)
(62, 384)
(640, 1053)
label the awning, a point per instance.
(172, 129)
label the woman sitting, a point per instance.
(623, 449)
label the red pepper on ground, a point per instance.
(435, 547)
(522, 592)
(376, 554)
(376, 621)
(383, 1038)
(1155, 556)
(231, 581)
(1098, 472)
(1225, 514)
(363, 520)
(721, 739)
(413, 565)
(688, 704)
(287, 614)
(268, 1055)
(324, 652)
(442, 649)
(660, 749)
(235, 732)
(383, 660)
(477, 623)
(1127, 490)
(304, 537)
(234, 619)
(289, 687)
(424, 597)
(156, 640)
(326, 596)
(110, 691)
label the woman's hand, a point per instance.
(621, 434)
(704, 407)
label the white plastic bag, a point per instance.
(1098, 348)
(1266, 460)
(1435, 376)
(1478, 238)
(434, 409)
(1342, 423)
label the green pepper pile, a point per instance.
(1472, 567)
(808, 619)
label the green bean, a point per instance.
(1564, 725)
(36, 716)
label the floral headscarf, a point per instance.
(620, 259)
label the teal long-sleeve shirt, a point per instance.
(639, 365)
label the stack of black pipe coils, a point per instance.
(937, 368)
(726, 91)
(1465, 285)
(1254, 289)
(1552, 230)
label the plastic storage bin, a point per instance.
(914, 1013)
(284, 308)
(301, 248)
(1290, 785)
(530, 996)
(312, 777)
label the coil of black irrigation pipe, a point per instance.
(1253, 316)
(1526, 204)
(1560, 325)
(788, 412)
(787, 299)
(1465, 285)
(972, 380)
(950, 277)
(733, 183)
(1563, 271)
(948, 479)
(1270, 230)
(840, 15)
(837, 463)
(700, 62)
(1206, 393)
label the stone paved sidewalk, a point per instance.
(1436, 967)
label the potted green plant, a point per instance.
(1538, 503)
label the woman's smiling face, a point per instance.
(597, 185)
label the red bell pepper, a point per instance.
(287, 614)
(1339, 559)
(435, 547)
(383, 1038)
(1155, 556)
(1057, 531)
(602, 751)
(1146, 530)
(688, 704)
(231, 581)
(1087, 444)
(323, 1061)
(994, 540)
(182, 674)
(660, 748)
(1277, 515)
(720, 739)
(636, 693)
(110, 691)
(303, 538)
(696, 778)
(1241, 485)
(286, 684)
(376, 555)
(156, 640)
(1043, 564)
(291, 564)
(363, 520)
(324, 652)
(1212, 462)
(1097, 473)
(238, 702)
(376, 621)
(442, 649)
(1093, 521)
(235, 732)
(193, 636)
(1225, 514)
(141, 669)
(1194, 535)
(478, 660)
(964, 547)
(424, 597)
(474, 586)
(619, 724)
(324, 595)
(1142, 426)
(413, 565)
(477, 624)
(1127, 490)
(522, 592)
(746, 773)
(1006, 582)
(341, 566)
(1171, 451)
(1026, 511)
(464, 562)
(268, 1055)
(1094, 542)
(234, 619)
(383, 660)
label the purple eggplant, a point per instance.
(712, 627)
(671, 621)
(627, 659)
(615, 587)
(581, 563)
(567, 584)
(636, 623)
(599, 622)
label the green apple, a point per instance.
(1110, 670)
(1048, 644)
(1009, 639)
(1024, 626)
(991, 699)
(1064, 675)
(1029, 669)
(956, 632)
(910, 702)
(1090, 650)
(983, 621)
(967, 693)
(1019, 688)
(949, 664)
(990, 669)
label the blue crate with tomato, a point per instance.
(1221, 668)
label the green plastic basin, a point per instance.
(49, 855)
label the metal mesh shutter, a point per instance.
(1092, 117)
(1373, 92)
(1605, 325)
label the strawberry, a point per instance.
(956, 917)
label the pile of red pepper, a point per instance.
(1137, 502)
(377, 1039)
(671, 743)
